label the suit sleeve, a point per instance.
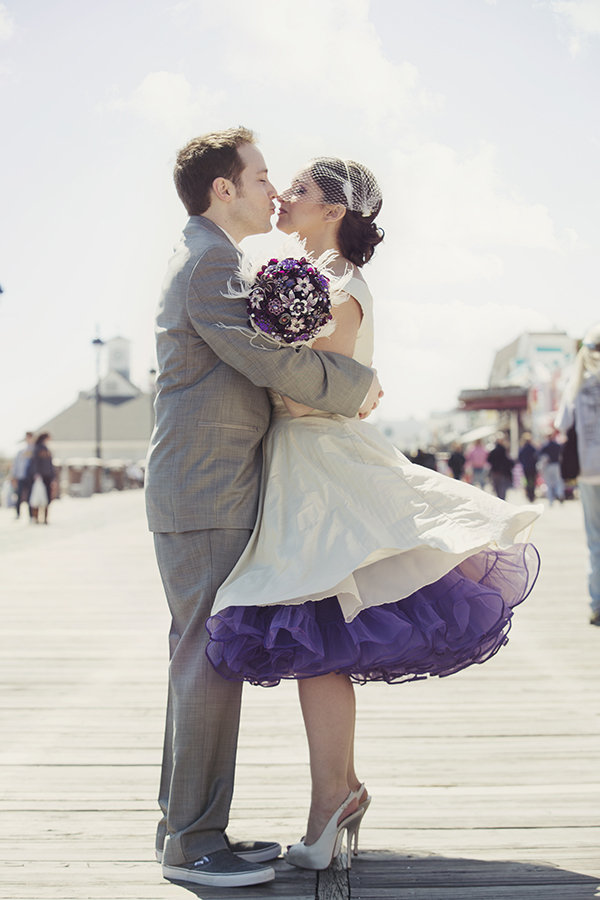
(326, 381)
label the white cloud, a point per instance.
(314, 55)
(315, 78)
(169, 100)
(7, 24)
(582, 20)
(310, 90)
(456, 216)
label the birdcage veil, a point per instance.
(347, 182)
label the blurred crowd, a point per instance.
(565, 462)
(541, 470)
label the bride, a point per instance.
(362, 566)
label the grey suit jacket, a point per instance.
(212, 407)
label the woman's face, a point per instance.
(302, 207)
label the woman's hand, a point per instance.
(372, 399)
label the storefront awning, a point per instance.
(511, 398)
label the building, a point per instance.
(125, 429)
(525, 383)
(115, 417)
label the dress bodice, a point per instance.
(363, 349)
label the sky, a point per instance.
(478, 117)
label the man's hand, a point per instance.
(372, 399)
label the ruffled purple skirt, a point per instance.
(462, 619)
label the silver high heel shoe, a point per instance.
(319, 855)
(352, 832)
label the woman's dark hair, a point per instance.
(358, 235)
(41, 438)
(205, 158)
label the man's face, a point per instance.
(253, 205)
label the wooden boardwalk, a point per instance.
(485, 785)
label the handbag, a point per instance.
(569, 462)
(39, 494)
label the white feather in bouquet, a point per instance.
(289, 298)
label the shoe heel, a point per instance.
(355, 839)
(352, 832)
(362, 808)
(339, 845)
(329, 845)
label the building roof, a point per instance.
(131, 419)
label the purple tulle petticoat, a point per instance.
(462, 619)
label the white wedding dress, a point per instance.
(363, 562)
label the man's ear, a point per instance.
(223, 188)
(335, 212)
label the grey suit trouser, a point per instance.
(203, 709)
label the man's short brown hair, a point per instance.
(205, 158)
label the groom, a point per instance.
(204, 466)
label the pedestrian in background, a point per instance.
(476, 459)
(550, 459)
(580, 407)
(528, 457)
(501, 466)
(425, 458)
(41, 472)
(456, 461)
(20, 479)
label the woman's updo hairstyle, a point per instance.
(355, 187)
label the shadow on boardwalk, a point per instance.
(383, 875)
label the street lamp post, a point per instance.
(98, 343)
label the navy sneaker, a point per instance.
(220, 869)
(255, 851)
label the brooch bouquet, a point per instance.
(289, 298)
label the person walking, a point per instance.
(202, 485)
(501, 466)
(19, 473)
(476, 460)
(528, 458)
(456, 461)
(550, 460)
(580, 409)
(42, 474)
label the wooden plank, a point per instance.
(333, 883)
(135, 881)
(388, 875)
(484, 784)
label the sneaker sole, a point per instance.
(237, 879)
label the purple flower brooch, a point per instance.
(289, 300)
